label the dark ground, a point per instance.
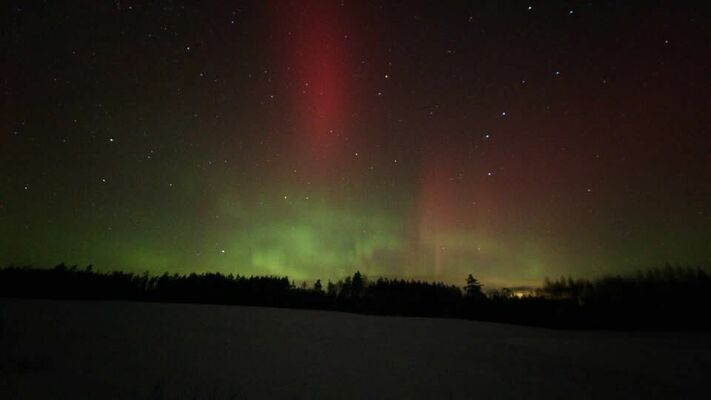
(131, 350)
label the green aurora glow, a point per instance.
(317, 140)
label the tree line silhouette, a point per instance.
(660, 298)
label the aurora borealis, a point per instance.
(511, 140)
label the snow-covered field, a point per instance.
(123, 350)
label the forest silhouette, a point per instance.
(665, 298)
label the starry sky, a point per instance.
(426, 140)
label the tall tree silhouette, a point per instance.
(357, 285)
(473, 288)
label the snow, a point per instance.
(124, 350)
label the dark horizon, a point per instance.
(460, 282)
(667, 298)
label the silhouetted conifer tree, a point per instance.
(331, 289)
(357, 285)
(473, 288)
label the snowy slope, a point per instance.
(123, 350)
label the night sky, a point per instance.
(427, 140)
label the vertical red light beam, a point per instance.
(316, 34)
(436, 198)
(452, 200)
